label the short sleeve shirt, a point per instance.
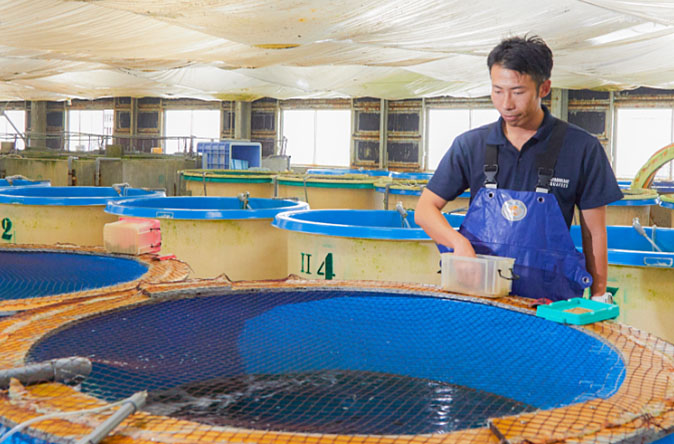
(582, 175)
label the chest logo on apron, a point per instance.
(514, 210)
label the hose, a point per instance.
(19, 427)
(637, 226)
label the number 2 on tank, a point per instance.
(7, 229)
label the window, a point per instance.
(7, 131)
(640, 132)
(318, 137)
(445, 124)
(186, 126)
(89, 129)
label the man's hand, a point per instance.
(463, 247)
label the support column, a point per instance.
(559, 103)
(38, 125)
(243, 113)
(383, 134)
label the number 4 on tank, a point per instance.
(325, 269)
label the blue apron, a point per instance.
(528, 226)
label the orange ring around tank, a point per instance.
(642, 408)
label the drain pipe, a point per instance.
(386, 193)
(119, 187)
(403, 215)
(97, 177)
(72, 179)
(128, 407)
(59, 370)
(243, 197)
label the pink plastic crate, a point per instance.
(130, 235)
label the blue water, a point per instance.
(29, 274)
(333, 401)
(165, 344)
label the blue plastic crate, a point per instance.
(230, 154)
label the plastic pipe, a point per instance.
(128, 407)
(62, 370)
(637, 226)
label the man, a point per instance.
(526, 172)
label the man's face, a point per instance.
(516, 97)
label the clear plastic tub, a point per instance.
(489, 276)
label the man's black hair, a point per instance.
(526, 55)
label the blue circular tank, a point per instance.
(203, 208)
(18, 182)
(71, 195)
(216, 235)
(343, 171)
(364, 224)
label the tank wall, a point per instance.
(336, 198)
(229, 189)
(242, 249)
(645, 298)
(312, 256)
(138, 172)
(52, 224)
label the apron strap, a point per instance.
(547, 160)
(490, 165)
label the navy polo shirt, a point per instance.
(583, 176)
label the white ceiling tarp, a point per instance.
(245, 49)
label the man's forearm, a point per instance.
(593, 229)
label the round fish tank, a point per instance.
(355, 191)
(412, 175)
(641, 266)
(361, 244)
(33, 277)
(635, 203)
(228, 183)
(50, 215)
(292, 362)
(407, 192)
(22, 182)
(217, 235)
(347, 171)
(662, 214)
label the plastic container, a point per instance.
(132, 236)
(230, 154)
(360, 245)
(577, 311)
(228, 183)
(51, 215)
(489, 276)
(216, 235)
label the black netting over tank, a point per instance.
(337, 361)
(30, 274)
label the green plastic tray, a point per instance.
(577, 311)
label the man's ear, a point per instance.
(544, 88)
